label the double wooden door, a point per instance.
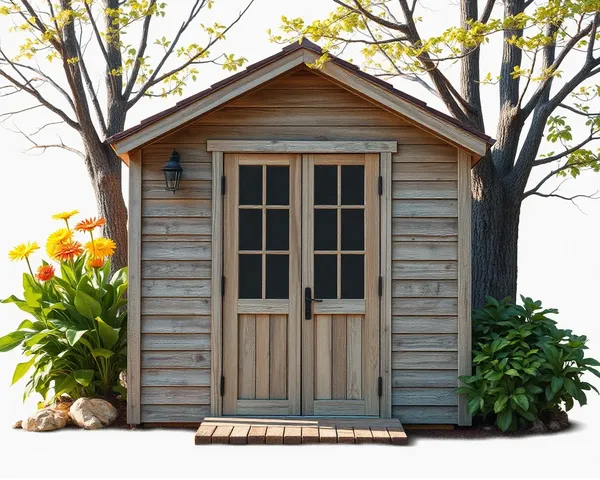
(301, 265)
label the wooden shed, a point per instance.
(315, 259)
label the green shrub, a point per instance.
(524, 366)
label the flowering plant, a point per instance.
(76, 341)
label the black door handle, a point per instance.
(308, 303)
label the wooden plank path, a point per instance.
(300, 430)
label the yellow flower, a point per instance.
(65, 215)
(22, 251)
(56, 239)
(101, 247)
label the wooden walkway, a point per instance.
(298, 430)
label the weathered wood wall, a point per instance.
(176, 234)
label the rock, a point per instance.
(554, 426)
(538, 427)
(92, 413)
(561, 417)
(18, 424)
(45, 420)
(123, 378)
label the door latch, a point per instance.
(308, 303)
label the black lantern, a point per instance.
(172, 172)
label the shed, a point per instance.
(315, 259)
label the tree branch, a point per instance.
(155, 78)
(140, 52)
(487, 11)
(550, 175)
(568, 151)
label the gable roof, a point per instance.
(289, 58)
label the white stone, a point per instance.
(92, 413)
(45, 420)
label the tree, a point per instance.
(64, 46)
(539, 97)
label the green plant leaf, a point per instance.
(66, 385)
(21, 370)
(73, 336)
(11, 340)
(102, 352)
(533, 389)
(500, 404)
(87, 306)
(556, 384)
(84, 377)
(504, 420)
(570, 387)
(38, 337)
(512, 372)
(108, 334)
(522, 401)
(591, 362)
(473, 405)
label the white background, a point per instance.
(559, 260)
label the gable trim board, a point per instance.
(300, 146)
(297, 56)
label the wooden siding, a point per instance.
(176, 288)
(424, 284)
(176, 248)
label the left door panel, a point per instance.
(261, 305)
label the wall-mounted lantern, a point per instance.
(172, 172)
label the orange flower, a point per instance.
(67, 251)
(89, 224)
(96, 263)
(45, 273)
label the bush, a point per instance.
(525, 367)
(76, 341)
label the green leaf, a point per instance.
(66, 386)
(556, 384)
(87, 306)
(10, 341)
(108, 335)
(73, 336)
(21, 370)
(473, 405)
(512, 372)
(35, 339)
(102, 352)
(522, 401)
(533, 389)
(570, 387)
(84, 377)
(500, 404)
(26, 325)
(591, 361)
(504, 420)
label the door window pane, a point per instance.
(251, 184)
(278, 229)
(353, 229)
(353, 185)
(325, 276)
(250, 232)
(278, 276)
(278, 185)
(250, 276)
(353, 276)
(325, 184)
(325, 229)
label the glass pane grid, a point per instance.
(262, 271)
(337, 271)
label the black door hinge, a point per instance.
(223, 185)
(380, 184)
(222, 390)
(223, 286)
(380, 286)
(380, 386)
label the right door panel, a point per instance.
(340, 262)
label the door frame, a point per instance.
(385, 149)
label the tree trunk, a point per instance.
(495, 234)
(104, 168)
